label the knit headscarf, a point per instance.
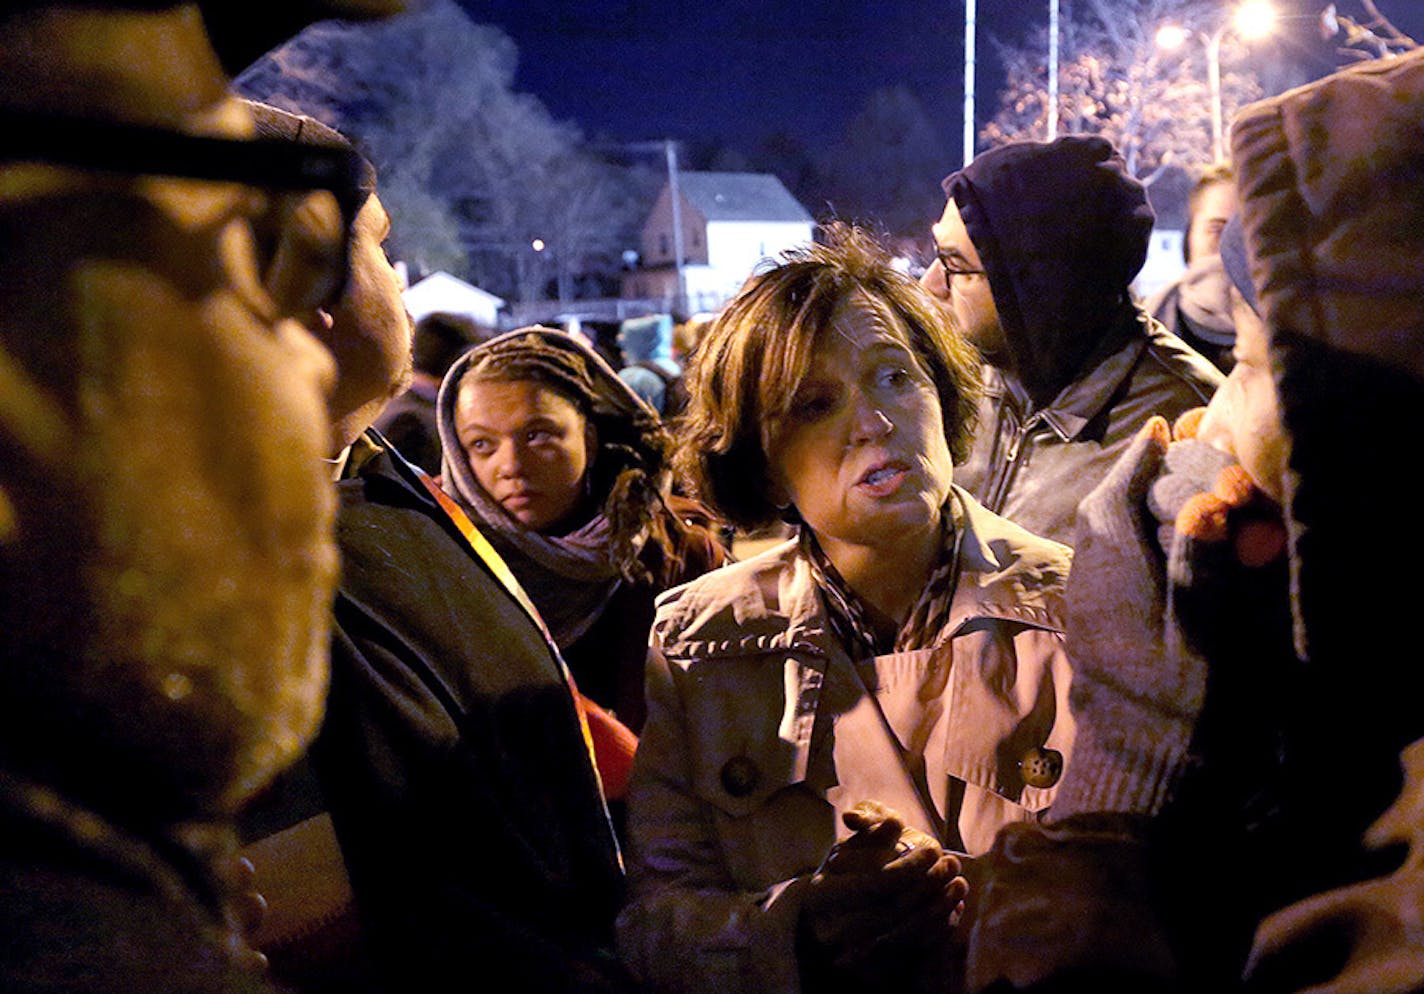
(569, 577)
(1329, 177)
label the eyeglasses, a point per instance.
(293, 170)
(951, 269)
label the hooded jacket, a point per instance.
(1062, 230)
(648, 366)
(599, 618)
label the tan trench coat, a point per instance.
(760, 733)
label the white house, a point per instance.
(452, 295)
(731, 222)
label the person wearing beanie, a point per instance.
(1242, 709)
(360, 317)
(1035, 252)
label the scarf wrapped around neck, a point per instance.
(1206, 302)
(926, 621)
(571, 577)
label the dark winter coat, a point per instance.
(93, 908)
(461, 789)
(1034, 466)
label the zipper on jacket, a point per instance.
(1015, 443)
(1007, 466)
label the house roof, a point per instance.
(741, 197)
(442, 292)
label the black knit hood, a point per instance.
(1062, 231)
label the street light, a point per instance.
(1251, 20)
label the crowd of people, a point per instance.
(346, 653)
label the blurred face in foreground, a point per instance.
(1244, 416)
(861, 453)
(171, 579)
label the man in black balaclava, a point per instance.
(1034, 254)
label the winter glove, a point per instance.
(1206, 497)
(1134, 704)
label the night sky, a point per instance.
(736, 71)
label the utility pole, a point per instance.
(1052, 69)
(680, 297)
(969, 19)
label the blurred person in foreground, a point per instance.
(831, 721)
(1036, 251)
(1241, 706)
(166, 557)
(1196, 306)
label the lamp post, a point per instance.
(1052, 69)
(1252, 19)
(970, 19)
(680, 296)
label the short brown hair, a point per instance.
(1213, 175)
(758, 350)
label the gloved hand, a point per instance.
(886, 891)
(1134, 703)
(1190, 468)
(1204, 494)
(1227, 603)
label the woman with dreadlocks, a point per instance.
(566, 472)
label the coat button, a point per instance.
(1041, 766)
(740, 776)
